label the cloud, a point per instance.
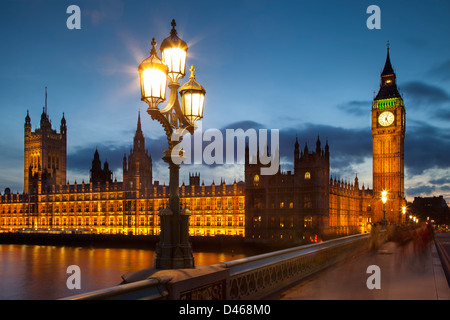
(353, 144)
(80, 159)
(440, 181)
(244, 125)
(423, 190)
(356, 107)
(426, 146)
(424, 94)
(441, 72)
(431, 99)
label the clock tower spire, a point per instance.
(388, 135)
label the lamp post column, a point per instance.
(174, 250)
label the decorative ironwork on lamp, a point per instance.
(174, 250)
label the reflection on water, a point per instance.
(39, 272)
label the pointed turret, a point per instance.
(28, 119)
(96, 164)
(139, 141)
(45, 121)
(387, 70)
(27, 125)
(137, 169)
(63, 127)
(388, 86)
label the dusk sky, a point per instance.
(307, 68)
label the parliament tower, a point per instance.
(45, 153)
(388, 136)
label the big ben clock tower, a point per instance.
(388, 135)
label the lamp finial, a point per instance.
(153, 51)
(192, 69)
(173, 31)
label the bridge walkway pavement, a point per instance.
(405, 274)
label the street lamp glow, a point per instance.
(153, 79)
(175, 59)
(384, 199)
(174, 53)
(384, 196)
(192, 99)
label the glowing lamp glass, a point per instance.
(153, 86)
(192, 99)
(175, 59)
(153, 79)
(192, 105)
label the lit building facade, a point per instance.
(306, 204)
(388, 136)
(110, 207)
(106, 209)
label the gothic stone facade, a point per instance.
(306, 204)
(106, 206)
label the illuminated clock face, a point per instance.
(386, 118)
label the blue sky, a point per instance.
(306, 68)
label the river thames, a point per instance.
(36, 272)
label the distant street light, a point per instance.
(174, 250)
(384, 200)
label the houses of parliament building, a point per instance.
(304, 204)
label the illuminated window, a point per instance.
(308, 221)
(256, 180)
(307, 175)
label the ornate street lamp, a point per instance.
(174, 250)
(384, 200)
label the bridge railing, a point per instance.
(259, 276)
(248, 278)
(148, 289)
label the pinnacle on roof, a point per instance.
(388, 70)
